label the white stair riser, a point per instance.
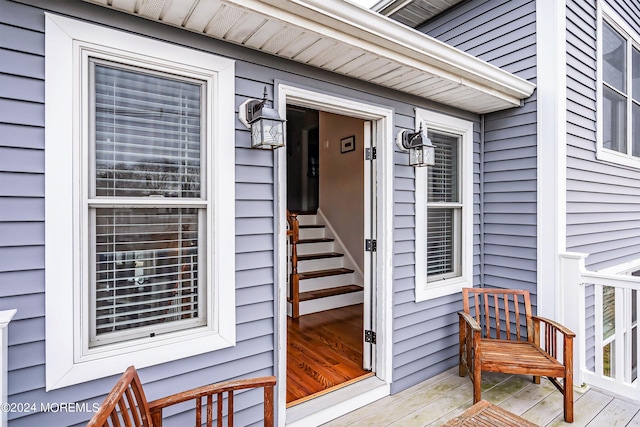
(314, 248)
(328, 303)
(306, 219)
(320, 264)
(311, 233)
(307, 285)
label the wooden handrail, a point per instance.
(294, 280)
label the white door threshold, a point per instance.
(332, 405)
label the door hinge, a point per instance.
(370, 336)
(370, 245)
(370, 153)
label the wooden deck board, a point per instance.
(616, 413)
(446, 396)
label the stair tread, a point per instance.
(312, 226)
(316, 240)
(320, 256)
(328, 292)
(324, 273)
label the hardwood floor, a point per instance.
(324, 351)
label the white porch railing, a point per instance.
(603, 311)
(5, 318)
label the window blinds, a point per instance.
(147, 146)
(443, 197)
(147, 135)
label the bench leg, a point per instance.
(536, 380)
(462, 371)
(568, 398)
(477, 384)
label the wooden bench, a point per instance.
(499, 334)
(126, 404)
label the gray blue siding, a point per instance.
(603, 200)
(503, 33)
(22, 244)
(424, 334)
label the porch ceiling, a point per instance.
(342, 37)
(413, 12)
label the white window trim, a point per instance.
(67, 362)
(608, 14)
(424, 290)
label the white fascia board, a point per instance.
(380, 35)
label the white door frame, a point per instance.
(383, 141)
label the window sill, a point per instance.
(616, 158)
(441, 288)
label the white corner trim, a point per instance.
(5, 318)
(425, 290)
(66, 361)
(551, 155)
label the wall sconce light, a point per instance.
(267, 127)
(421, 150)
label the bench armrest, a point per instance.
(156, 406)
(560, 328)
(470, 321)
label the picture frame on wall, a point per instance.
(348, 144)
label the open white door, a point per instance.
(370, 247)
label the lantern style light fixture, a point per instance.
(267, 127)
(421, 150)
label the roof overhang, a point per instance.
(342, 37)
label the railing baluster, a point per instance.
(209, 410)
(294, 280)
(198, 411)
(619, 343)
(220, 415)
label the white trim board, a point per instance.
(552, 156)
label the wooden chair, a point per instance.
(126, 404)
(499, 334)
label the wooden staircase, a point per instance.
(319, 279)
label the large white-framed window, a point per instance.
(139, 198)
(444, 208)
(618, 90)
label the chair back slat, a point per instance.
(499, 312)
(125, 406)
(507, 319)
